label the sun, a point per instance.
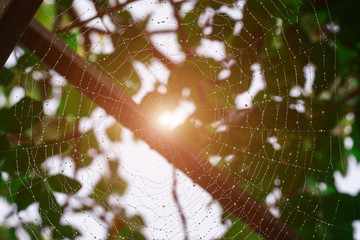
(165, 119)
(171, 119)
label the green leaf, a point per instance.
(223, 27)
(7, 76)
(83, 144)
(346, 15)
(64, 184)
(49, 209)
(239, 230)
(192, 30)
(114, 132)
(34, 231)
(347, 207)
(118, 64)
(17, 160)
(83, 106)
(46, 14)
(113, 166)
(24, 192)
(127, 233)
(70, 39)
(22, 116)
(59, 128)
(4, 145)
(355, 135)
(65, 231)
(122, 17)
(119, 185)
(107, 186)
(64, 3)
(213, 4)
(293, 3)
(29, 59)
(140, 50)
(24, 158)
(240, 78)
(25, 196)
(7, 232)
(300, 212)
(340, 210)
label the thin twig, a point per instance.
(333, 106)
(100, 14)
(176, 200)
(182, 34)
(86, 30)
(167, 31)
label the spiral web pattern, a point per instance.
(244, 83)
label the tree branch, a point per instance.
(11, 12)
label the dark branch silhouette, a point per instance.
(178, 205)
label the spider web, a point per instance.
(245, 83)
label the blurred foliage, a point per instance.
(281, 36)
